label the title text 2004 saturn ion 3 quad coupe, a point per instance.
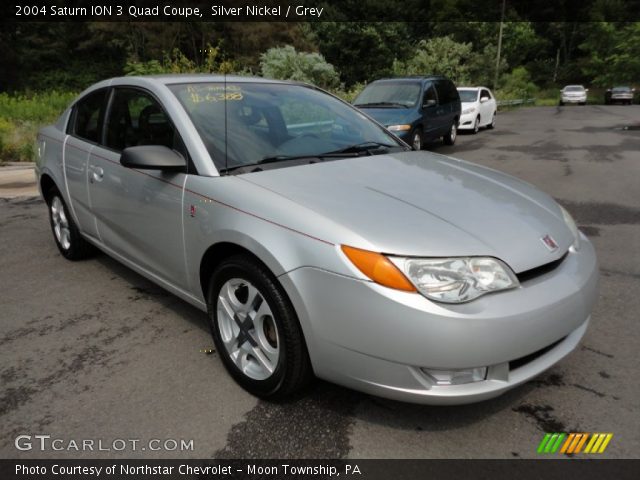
(316, 240)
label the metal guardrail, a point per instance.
(519, 101)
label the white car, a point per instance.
(479, 108)
(573, 94)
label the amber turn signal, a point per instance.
(378, 268)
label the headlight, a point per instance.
(398, 128)
(457, 280)
(468, 110)
(568, 219)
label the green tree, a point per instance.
(612, 53)
(286, 63)
(362, 51)
(517, 85)
(438, 56)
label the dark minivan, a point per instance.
(416, 109)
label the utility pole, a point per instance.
(495, 80)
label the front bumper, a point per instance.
(467, 120)
(574, 99)
(621, 98)
(377, 340)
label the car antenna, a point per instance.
(225, 122)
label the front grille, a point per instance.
(522, 361)
(541, 270)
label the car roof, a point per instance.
(411, 78)
(472, 88)
(173, 78)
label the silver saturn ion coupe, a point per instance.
(319, 243)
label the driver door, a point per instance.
(139, 212)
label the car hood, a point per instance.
(390, 116)
(422, 204)
(464, 105)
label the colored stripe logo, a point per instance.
(574, 443)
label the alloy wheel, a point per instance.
(247, 329)
(60, 223)
(417, 141)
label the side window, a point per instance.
(485, 93)
(430, 97)
(88, 115)
(441, 89)
(136, 118)
(452, 92)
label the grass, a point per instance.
(22, 115)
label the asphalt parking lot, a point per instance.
(91, 350)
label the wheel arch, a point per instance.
(46, 184)
(222, 250)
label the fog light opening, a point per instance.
(455, 377)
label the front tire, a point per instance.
(66, 234)
(416, 140)
(256, 330)
(450, 137)
(476, 125)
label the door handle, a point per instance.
(97, 174)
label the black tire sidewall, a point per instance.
(413, 135)
(448, 140)
(240, 267)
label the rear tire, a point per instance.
(256, 330)
(492, 125)
(69, 241)
(450, 137)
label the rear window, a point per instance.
(468, 95)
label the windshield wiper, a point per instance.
(350, 151)
(284, 158)
(366, 147)
(381, 104)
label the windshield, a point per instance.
(468, 96)
(574, 88)
(621, 89)
(391, 94)
(269, 122)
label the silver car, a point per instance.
(317, 242)
(573, 94)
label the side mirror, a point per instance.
(484, 99)
(586, 89)
(429, 103)
(153, 157)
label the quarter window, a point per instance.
(88, 115)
